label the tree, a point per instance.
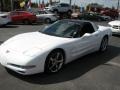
(93, 7)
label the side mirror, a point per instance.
(86, 35)
(74, 34)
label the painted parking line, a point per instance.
(113, 64)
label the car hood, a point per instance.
(116, 22)
(3, 14)
(28, 41)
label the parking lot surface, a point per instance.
(92, 72)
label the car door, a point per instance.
(41, 16)
(62, 8)
(21, 16)
(86, 43)
(14, 16)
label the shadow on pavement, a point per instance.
(33, 24)
(1, 42)
(115, 35)
(72, 70)
(9, 26)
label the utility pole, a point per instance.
(70, 2)
(118, 5)
(1, 5)
(11, 5)
(50, 2)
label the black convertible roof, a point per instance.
(81, 22)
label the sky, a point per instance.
(106, 3)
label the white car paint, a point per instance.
(115, 26)
(59, 7)
(4, 18)
(51, 16)
(31, 49)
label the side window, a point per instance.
(14, 13)
(72, 31)
(87, 28)
(41, 12)
(61, 5)
(21, 13)
(64, 5)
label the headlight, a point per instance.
(32, 52)
(20, 66)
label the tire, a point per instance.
(47, 20)
(104, 44)
(55, 12)
(54, 61)
(69, 12)
(82, 19)
(26, 22)
(99, 19)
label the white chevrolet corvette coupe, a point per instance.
(49, 49)
(115, 26)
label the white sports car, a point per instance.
(49, 49)
(115, 26)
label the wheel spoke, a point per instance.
(60, 61)
(57, 56)
(53, 65)
(55, 62)
(104, 44)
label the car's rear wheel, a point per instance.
(104, 44)
(26, 22)
(54, 61)
(47, 20)
(55, 11)
(69, 12)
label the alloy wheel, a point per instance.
(55, 62)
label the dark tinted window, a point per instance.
(41, 12)
(87, 28)
(64, 5)
(14, 13)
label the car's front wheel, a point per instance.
(104, 44)
(54, 61)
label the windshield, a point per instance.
(61, 29)
(48, 12)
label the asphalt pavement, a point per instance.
(92, 72)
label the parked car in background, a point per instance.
(4, 18)
(46, 16)
(23, 16)
(75, 15)
(107, 18)
(115, 25)
(112, 13)
(92, 17)
(49, 49)
(60, 8)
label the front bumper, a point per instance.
(18, 59)
(115, 31)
